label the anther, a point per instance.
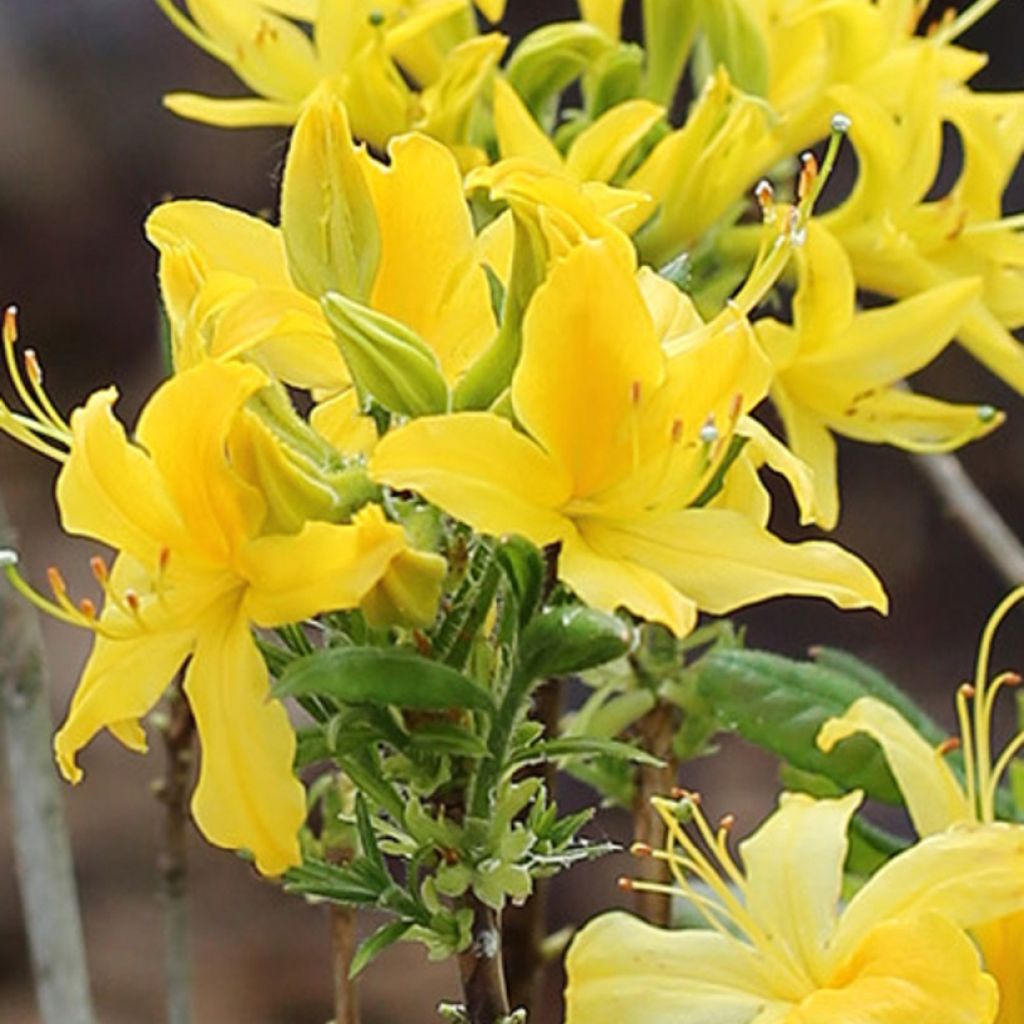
(709, 432)
(967, 691)
(33, 367)
(8, 558)
(87, 608)
(736, 407)
(727, 822)
(1011, 679)
(625, 884)
(641, 850)
(636, 392)
(99, 570)
(57, 584)
(765, 195)
(677, 431)
(948, 746)
(132, 600)
(841, 123)
(10, 328)
(808, 174)
(164, 558)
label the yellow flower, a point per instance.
(901, 243)
(397, 64)
(839, 371)
(937, 801)
(780, 951)
(195, 569)
(618, 442)
(397, 237)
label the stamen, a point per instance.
(808, 175)
(35, 377)
(948, 746)
(951, 27)
(965, 692)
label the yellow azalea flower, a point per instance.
(196, 568)
(397, 64)
(901, 243)
(400, 240)
(228, 294)
(780, 951)
(937, 801)
(839, 371)
(618, 442)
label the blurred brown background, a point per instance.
(85, 151)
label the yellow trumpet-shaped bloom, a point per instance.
(195, 570)
(618, 442)
(398, 64)
(839, 371)
(939, 803)
(780, 950)
(397, 237)
(902, 243)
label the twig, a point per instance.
(41, 847)
(976, 514)
(179, 740)
(344, 939)
(480, 967)
(656, 730)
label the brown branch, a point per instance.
(656, 731)
(480, 967)
(178, 733)
(344, 940)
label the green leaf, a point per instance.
(734, 38)
(367, 835)
(569, 639)
(335, 883)
(524, 568)
(781, 705)
(311, 747)
(446, 738)
(385, 936)
(380, 676)
(583, 746)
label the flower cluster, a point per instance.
(496, 375)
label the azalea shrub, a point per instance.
(490, 403)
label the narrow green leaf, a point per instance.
(367, 835)
(385, 936)
(583, 746)
(446, 738)
(571, 639)
(382, 677)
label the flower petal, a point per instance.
(473, 465)
(247, 796)
(598, 151)
(429, 277)
(324, 567)
(110, 490)
(922, 969)
(589, 355)
(970, 875)
(723, 561)
(185, 427)
(624, 971)
(794, 868)
(931, 791)
(608, 584)
(1002, 950)
(241, 112)
(120, 683)
(518, 133)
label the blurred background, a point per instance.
(85, 151)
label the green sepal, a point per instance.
(733, 38)
(388, 361)
(669, 29)
(549, 59)
(380, 676)
(568, 639)
(524, 568)
(618, 77)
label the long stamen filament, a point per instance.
(1014, 222)
(969, 18)
(964, 693)
(73, 617)
(35, 378)
(1005, 759)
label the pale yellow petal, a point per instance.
(970, 875)
(589, 356)
(247, 796)
(824, 302)
(473, 466)
(339, 421)
(323, 567)
(930, 789)
(624, 971)
(767, 449)
(917, 969)
(1002, 948)
(604, 14)
(671, 309)
(794, 868)
(611, 583)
